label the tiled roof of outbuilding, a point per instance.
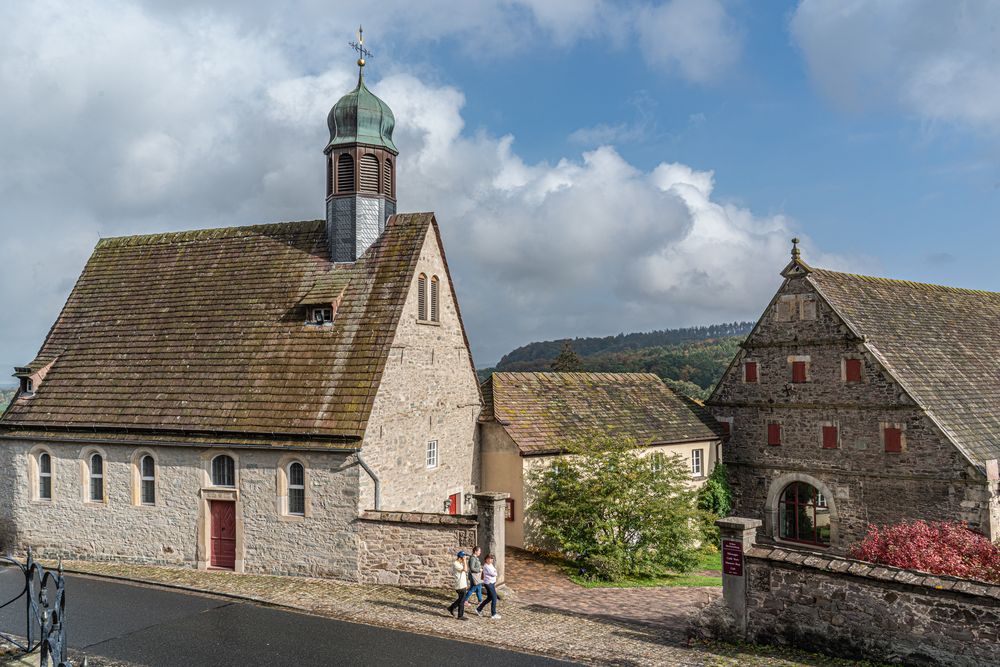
(546, 412)
(940, 343)
(203, 332)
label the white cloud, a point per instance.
(120, 119)
(697, 38)
(935, 59)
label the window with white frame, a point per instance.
(96, 478)
(147, 480)
(432, 454)
(656, 460)
(321, 315)
(697, 462)
(223, 471)
(44, 476)
(296, 489)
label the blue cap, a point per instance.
(461, 554)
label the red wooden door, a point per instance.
(223, 533)
(453, 504)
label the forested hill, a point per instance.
(691, 360)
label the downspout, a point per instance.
(375, 479)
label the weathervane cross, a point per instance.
(359, 46)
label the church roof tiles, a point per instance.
(201, 332)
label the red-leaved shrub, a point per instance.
(936, 547)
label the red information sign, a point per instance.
(732, 558)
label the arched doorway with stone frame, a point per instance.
(796, 500)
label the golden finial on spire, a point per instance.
(795, 249)
(359, 46)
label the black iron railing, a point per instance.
(44, 593)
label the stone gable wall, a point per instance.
(929, 480)
(324, 543)
(428, 391)
(859, 610)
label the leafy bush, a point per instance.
(936, 547)
(715, 495)
(616, 512)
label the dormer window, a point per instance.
(27, 386)
(321, 315)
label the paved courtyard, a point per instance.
(547, 616)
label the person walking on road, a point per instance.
(461, 579)
(475, 576)
(490, 583)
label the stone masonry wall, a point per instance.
(860, 610)
(429, 391)
(864, 484)
(323, 543)
(412, 548)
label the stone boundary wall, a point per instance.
(412, 548)
(821, 602)
(418, 548)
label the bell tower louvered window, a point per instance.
(422, 297)
(345, 173)
(387, 178)
(329, 177)
(369, 174)
(435, 300)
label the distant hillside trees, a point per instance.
(689, 360)
(568, 360)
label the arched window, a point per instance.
(44, 476)
(147, 480)
(435, 300)
(296, 489)
(422, 297)
(803, 515)
(387, 178)
(223, 471)
(369, 173)
(96, 478)
(345, 173)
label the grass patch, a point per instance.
(709, 561)
(757, 655)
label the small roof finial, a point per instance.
(796, 254)
(359, 46)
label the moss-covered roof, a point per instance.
(204, 332)
(545, 413)
(940, 343)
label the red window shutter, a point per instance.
(774, 434)
(893, 439)
(852, 370)
(798, 371)
(829, 437)
(509, 510)
(750, 371)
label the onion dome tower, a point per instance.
(360, 168)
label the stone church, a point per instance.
(858, 400)
(238, 398)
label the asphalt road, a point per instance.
(151, 626)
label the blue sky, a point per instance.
(596, 166)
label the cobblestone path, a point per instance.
(542, 586)
(530, 622)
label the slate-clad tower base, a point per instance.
(353, 224)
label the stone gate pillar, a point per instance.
(738, 535)
(491, 512)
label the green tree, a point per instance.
(615, 511)
(715, 495)
(568, 360)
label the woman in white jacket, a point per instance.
(460, 572)
(490, 584)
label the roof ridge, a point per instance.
(906, 283)
(210, 233)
